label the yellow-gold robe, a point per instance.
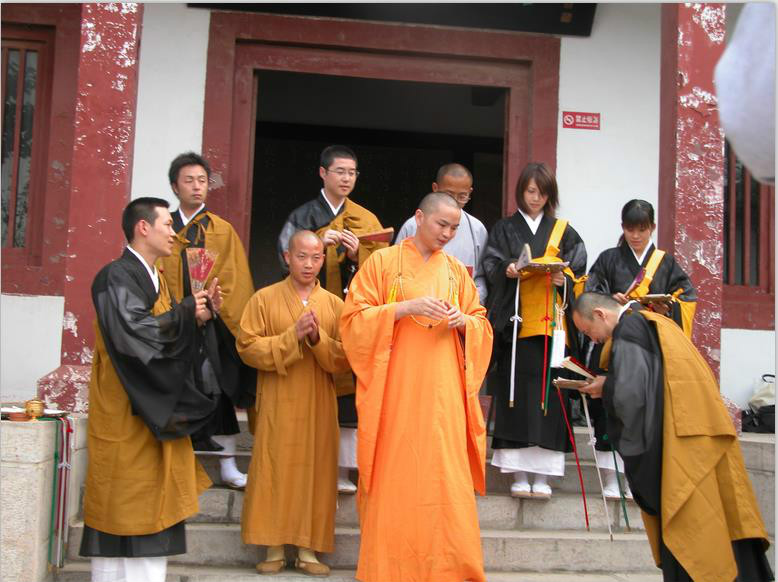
(292, 480)
(135, 484)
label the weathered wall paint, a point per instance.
(691, 163)
(102, 163)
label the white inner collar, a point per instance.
(152, 271)
(642, 255)
(333, 208)
(533, 223)
(195, 213)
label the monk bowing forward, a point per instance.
(419, 343)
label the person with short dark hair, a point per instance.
(531, 437)
(469, 241)
(145, 400)
(681, 453)
(338, 221)
(417, 338)
(197, 227)
(615, 273)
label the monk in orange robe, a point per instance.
(419, 343)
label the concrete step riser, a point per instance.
(499, 512)
(222, 545)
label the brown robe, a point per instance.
(292, 485)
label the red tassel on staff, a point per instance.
(546, 318)
(575, 451)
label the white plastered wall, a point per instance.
(171, 93)
(745, 355)
(613, 72)
(30, 342)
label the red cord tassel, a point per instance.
(575, 451)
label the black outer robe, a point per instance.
(153, 355)
(154, 358)
(237, 382)
(525, 424)
(633, 395)
(613, 272)
(312, 216)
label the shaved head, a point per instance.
(588, 302)
(303, 235)
(453, 171)
(432, 201)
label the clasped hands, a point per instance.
(208, 302)
(434, 308)
(557, 278)
(307, 325)
(343, 237)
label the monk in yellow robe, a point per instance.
(681, 454)
(419, 343)
(143, 480)
(339, 221)
(289, 332)
(197, 227)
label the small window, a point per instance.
(26, 55)
(749, 242)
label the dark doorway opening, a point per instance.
(401, 131)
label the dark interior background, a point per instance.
(402, 132)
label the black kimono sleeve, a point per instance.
(154, 356)
(633, 397)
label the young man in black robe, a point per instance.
(338, 221)
(198, 227)
(681, 455)
(147, 394)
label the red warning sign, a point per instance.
(580, 120)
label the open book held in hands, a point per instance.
(570, 363)
(525, 263)
(655, 298)
(383, 235)
(569, 384)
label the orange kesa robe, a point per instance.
(421, 440)
(291, 493)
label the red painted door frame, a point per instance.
(239, 44)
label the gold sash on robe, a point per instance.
(231, 267)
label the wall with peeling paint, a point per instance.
(30, 342)
(746, 355)
(171, 93)
(604, 169)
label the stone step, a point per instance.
(215, 544)
(496, 482)
(79, 572)
(564, 511)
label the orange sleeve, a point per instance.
(477, 354)
(366, 329)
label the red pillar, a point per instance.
(106, 97)
(691, 160)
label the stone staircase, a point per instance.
(523, 540)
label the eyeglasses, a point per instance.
(461, 196)
(342, 172)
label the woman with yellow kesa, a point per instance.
(531, 437)
(633, 269)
